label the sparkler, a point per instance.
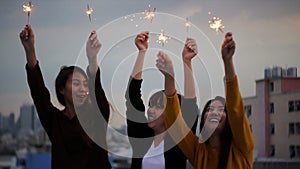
(162, 38)
(27, 8)
(150, 14)
(89, 12)
(187, 24)
(216, 24)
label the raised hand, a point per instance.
(27, 38)
(164, 64)
(141, 41)
(93, 46)
(228, 47)
(190, 50)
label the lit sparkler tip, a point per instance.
(89, 12)
(188, 23)
(216, 24)
(162, 38)
(27, 7)
(150, 14)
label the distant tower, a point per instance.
(26, 119)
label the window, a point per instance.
(297, 105)
(271, 86)
(291, 106)
(291, 128)
(272, 108)
(248, 110)
(298, 128)
(298, 151)
(292, 151)
(272, 151)
(272, 129)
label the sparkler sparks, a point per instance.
(150, 14)
(216, 24)
(187, 24)
(89, 12)
(162, 38)
(27, 8)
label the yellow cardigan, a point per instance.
(202, 156)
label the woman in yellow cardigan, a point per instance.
(211, 152)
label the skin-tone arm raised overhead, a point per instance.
(228, 49)
(93, 47)
(189, 51)
(141, 42)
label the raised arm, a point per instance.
(137, 126)
(239, 124)
(189, 51)
(141, 42)
(165, 66)
(38, 90)
(228, 49)
(179, 131)
(27, 39)
(189, 105)
(93, 47)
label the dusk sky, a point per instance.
(267, 34)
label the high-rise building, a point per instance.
(7, 123)
(274, 114)
(28, 120)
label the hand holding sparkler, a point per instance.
(190, 50)
(93, 47)
(27, 8)
(141, 41)
(27, 39)
(228, 47)
(165, 65)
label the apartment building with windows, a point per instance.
(274, 115)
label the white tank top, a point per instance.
(154, 158)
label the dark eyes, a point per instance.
(158, 106)
(211, 109)
(76, 83)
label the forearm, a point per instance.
(93, 65)
(138, 66)
(189, 83)
(238, 121)
(31, 58)
(169, 85)
(229, 70)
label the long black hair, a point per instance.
(64, 74)
(226, 134)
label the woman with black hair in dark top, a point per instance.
(72, 147)
(151, 144)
